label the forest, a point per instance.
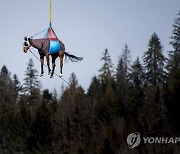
(142, 96)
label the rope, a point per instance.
(39, 33)
(50, 14)
(47, 67)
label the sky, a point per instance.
(87, 28)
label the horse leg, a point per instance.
(42, 63)
(47, 59)
(53, 65)
(61, 55)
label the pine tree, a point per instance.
(154, 62)
(47, 95)
(122, 71)
(171, 92)
(136, 98)
(72, 124)
(106, 70)
(136, 75)
(95, 90)
(6, 127)
(7, 89)
(40, 140)
(174, 55)
(21, 130)
(123, 67)
(31, 80)
(73, 80)
(17, 86)
(126, 57)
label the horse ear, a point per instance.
(25, 38)
(29, 39)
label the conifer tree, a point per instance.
(174, 55)
(21, 130)
(73, 80)
(47, 95)
(7, 90)
(17, 86)
(154, 62)
(136, 75)
(40, 140)
(122, 71)
(31, 80)
(171, 92)
(126, 57)
(95, 88)
(106, 70)
(123, 67)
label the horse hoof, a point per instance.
(51, 76)
(49, 73)
(41, 75)
(60, 75)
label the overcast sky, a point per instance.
(87, 28)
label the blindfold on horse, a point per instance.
(47, 47)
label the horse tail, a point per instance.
(72, 57)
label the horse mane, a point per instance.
(40, 44)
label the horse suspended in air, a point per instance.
(45, 48)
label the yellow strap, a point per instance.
(50, 17)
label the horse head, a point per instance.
(26, 44)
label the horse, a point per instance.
(43, 47)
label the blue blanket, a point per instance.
(54, 47)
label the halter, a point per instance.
(26, 42)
